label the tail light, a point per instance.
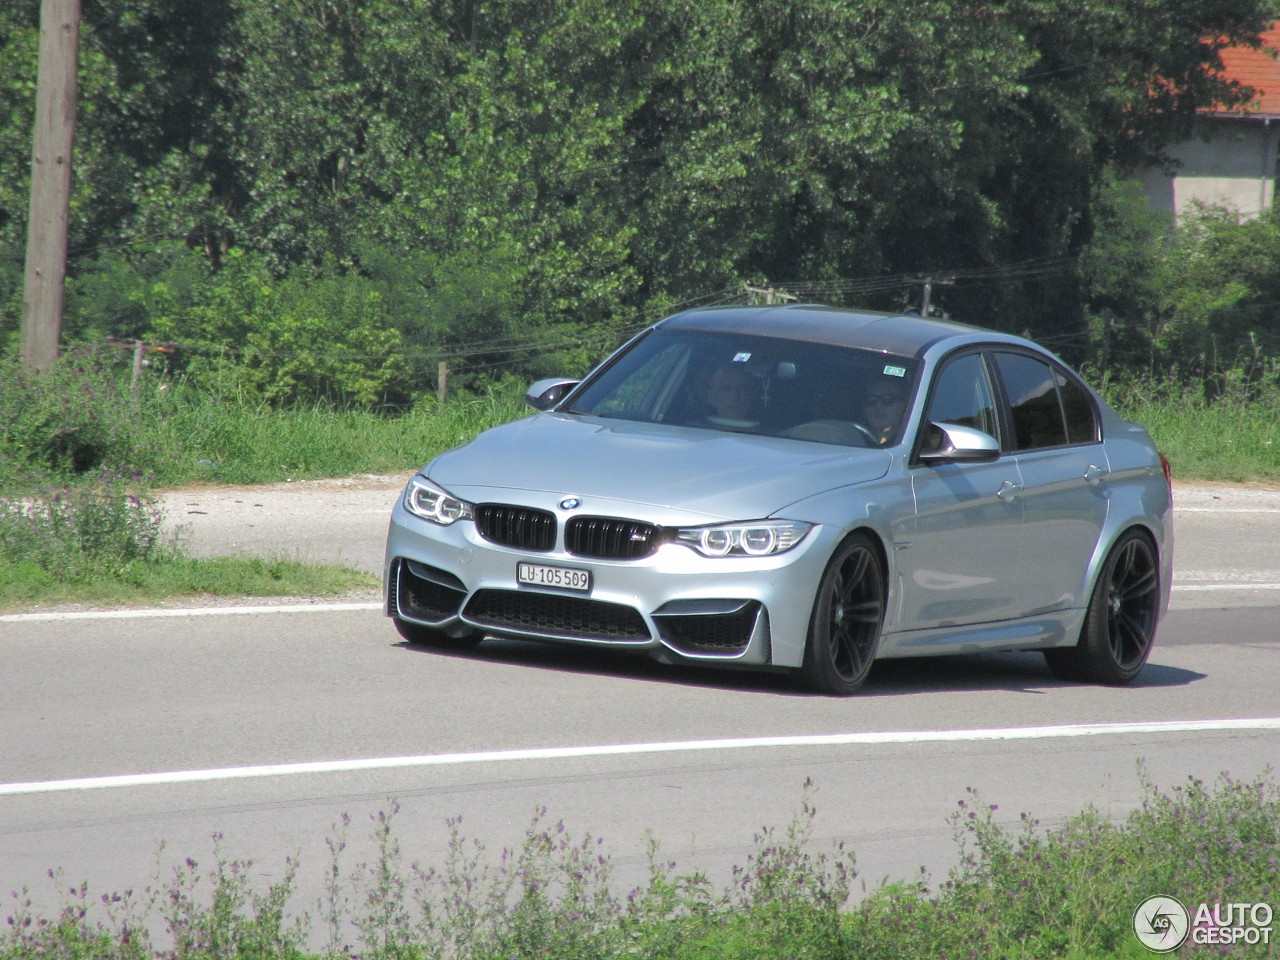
(1168, 473)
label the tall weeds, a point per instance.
(1024, 891)
(1229, 433)
(71, 530)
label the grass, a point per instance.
(79, 452)
(1234, 437)
(25, 585)
(1030, 891)
(259, 444)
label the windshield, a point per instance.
(760, 385)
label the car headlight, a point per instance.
(760, 538)
(428, 501)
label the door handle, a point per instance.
(1009, 491)
(1094, 474)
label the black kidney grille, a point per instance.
(518, 527)
(553, 615)
(606, 538)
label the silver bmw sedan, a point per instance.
(799, 488)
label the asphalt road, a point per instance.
(189, 702)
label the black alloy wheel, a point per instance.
(1120, 625)
(848, 613)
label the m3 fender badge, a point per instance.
(570, 503)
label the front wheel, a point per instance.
(422, 636)
(1120, 624)
(848, 613)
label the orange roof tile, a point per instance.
(1258, 69)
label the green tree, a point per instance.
(857, 139)
(243, 332)
(1122, 273)
(1219, 288)
(525, 171)
(149, 158)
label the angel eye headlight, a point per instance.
(716, 542)
(760, 538)
(759, 541)
(428, 501)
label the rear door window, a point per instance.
(1034, 406)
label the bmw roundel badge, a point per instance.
(570, 503)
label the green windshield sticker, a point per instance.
(895, 371)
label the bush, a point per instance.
(77, 418)
(70, 531)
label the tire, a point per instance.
(1120, 624)
(848, 614)
(417, 635)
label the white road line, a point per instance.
(1177, 510)
(1235, 585)
(152, 613)
(623, 749)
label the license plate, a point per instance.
(541, 575)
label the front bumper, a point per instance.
(672, 604)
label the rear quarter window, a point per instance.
(1079, 408)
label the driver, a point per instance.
(882, 408)
(731, 393)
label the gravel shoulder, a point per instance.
(334, 521)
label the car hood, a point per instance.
(680, 470)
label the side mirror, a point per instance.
(545, 394)
(957, 444)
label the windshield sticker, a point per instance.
(741, 357)
(895, 371)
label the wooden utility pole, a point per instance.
(140, 349)
(442, 381)
(771, 294)
(43, 290)
(926, 294)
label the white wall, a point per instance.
(1237, 166)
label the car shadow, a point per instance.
(564, 658)
(1015, 672)
(1010, 671)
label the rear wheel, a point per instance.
(422, 636)
(848, 613)
(1120, 624)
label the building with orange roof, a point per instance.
(1233, 160)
